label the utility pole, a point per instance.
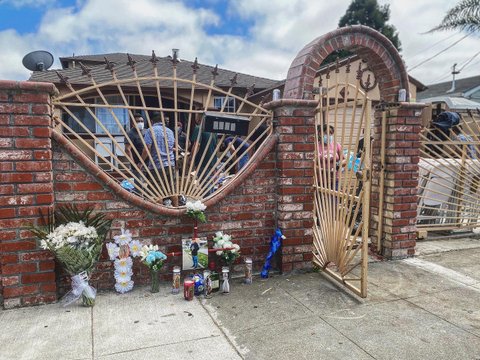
(454, 72)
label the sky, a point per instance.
(257, 37)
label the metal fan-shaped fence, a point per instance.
(449, 182)
(342, 179)
(196, 136)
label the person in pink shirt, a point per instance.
(330, 156)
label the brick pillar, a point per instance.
(27, 272)
(295, 128)
(402, 155)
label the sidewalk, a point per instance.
(421, 308)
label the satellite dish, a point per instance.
(39, 60)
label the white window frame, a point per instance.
(230, 107)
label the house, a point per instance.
(459, 95)
(99, 66)
(467, 88)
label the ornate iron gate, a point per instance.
(449, 181)
(96, 117)
(342, 178)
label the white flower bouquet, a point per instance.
(76, 238)
(226, 249)
(196, 210)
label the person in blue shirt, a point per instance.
(194, 247)
(234, 143)
(163, 139)
(460, 136)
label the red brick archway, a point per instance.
(295, 118)
(370, 45)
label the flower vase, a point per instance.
(155, 281)
(195, 229)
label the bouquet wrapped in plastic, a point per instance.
(76, 238)
(225, 248)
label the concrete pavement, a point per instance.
(421, 308)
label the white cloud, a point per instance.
(28, 3)
(280, 29)
(14, 47)
(413, 19)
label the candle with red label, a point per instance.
(188, 289)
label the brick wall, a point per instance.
(248, 214)
(402, 155)
(38, 173)
(279, 189)
(295, 150)
(25, 188)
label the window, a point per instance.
(106, 116)
(102, 113)
(218, 102)
(82, 115)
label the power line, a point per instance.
(473, 57)
(443, 77)
(434, 44)
(440, 52)
(464, 65)
(475, 63)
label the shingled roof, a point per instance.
(144, 69)
(440, 89)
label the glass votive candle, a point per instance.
(176, 280)
(207, 283)
(188, 289)
(248, 271)
(225, 284)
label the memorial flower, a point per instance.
(196, 210)
(123, 264)
(112, 250)
(124, 238)
(76, 238)
(226, 249)
(135, 248)
(123, 275)
(124, 286)
(121, 251)
(153, 258)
